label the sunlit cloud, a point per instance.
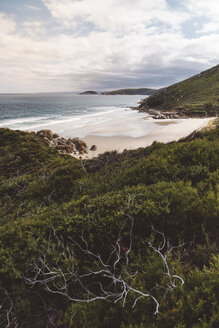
(93, 44)
(114, 15)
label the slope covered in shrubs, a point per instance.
(83, 242)
(196, 96)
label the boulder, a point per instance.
(45, 134)
(79, 144)
(159, 117)
(71, 148)
(93, 148)
(62, 147)
(47, 141)
(60, 142)
(54, 143)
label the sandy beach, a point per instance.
(160, 130)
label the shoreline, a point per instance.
(166, 131)
(123, 133)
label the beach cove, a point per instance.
(161, 131)
(122, 135)
(108, 122)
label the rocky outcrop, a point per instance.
(63, 145)
(45, 134)
(156, 114)
(165, 115)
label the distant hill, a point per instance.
(197, 96)
(89, 93)
(141, 91)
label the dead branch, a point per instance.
(7, 316)
(106, 279)
(83, 164)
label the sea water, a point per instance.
(72, 115)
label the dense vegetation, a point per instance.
(72, 231)
(139, 91)
(194, 97)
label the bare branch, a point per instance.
(83, 164)
(7, 316)
(160, 250)
(105, 279)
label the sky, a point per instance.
(78, 45)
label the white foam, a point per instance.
(103, 121)
(106, 114)
(10, 122)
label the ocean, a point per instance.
(71, 115)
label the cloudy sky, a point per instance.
(73, 45)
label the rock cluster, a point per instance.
(63, 145)
(165, 115)
(156, 114)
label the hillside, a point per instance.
(197, 96)
(123, 240)
(140, 91)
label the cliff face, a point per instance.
(197, 96)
